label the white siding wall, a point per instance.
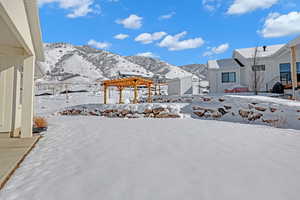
(272, 73)
(186, 85)
(180, 86)
(6, 94)
(215, 79)
(174, 87)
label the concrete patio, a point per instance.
(12, 152)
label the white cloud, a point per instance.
(245, 6)
(217, 50)
(147, 54)
(99, 45)
(211, 5)
(77, 8)
(121, 36)
(147, 38)
(277, 25)
(167, 16)
(173, 43)
(132, 22)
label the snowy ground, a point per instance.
(91, 158)
(84, 157)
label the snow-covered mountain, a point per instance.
(69, 62)
(199, 70)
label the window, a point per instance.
(228, 77)
(259, 68)
(285, 72)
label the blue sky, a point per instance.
(179, 32)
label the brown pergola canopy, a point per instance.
(128, 82)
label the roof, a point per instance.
(270, 50)
(224, 63)
(34, 23)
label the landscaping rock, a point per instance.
(260, 109)
(167, 115)
(221, 99)
(199, 114)
(227, 107)
(205, 99)
(244, 113)
(222, 111)
(216, 115)
(254, 116)
(158, 110)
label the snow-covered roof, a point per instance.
(224, 63)
(250, 52)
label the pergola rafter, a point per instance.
(127, 82)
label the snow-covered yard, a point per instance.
(96, 158)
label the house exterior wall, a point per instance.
(245, 75)
(182, 86)
(215, 79)
(21, 18)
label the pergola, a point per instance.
(127, 82)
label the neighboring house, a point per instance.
(271, 63)
(20, 48)
(184, 86)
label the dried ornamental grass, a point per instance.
(40, 122)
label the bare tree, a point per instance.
(257, 73)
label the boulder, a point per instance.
(148, 111)
(254, 116)
(270, 121)
(205, 99)
(221, 99)
(227, 107)
(222, 111)
(244, 113)
(260, 109)
(199, 114)
(198, 108)
(124, 112)
(216, 115)
(167, 115)
(158, 110)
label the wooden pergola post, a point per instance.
(135, 99)
(294, 70)
(159, 90)
(105, 94)
(149, 94)
(121, 100)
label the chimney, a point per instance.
(265, 48)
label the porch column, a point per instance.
(294, 70)
(27, 97)
(15, 126)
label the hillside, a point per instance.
(65, 61)
(199, 70)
